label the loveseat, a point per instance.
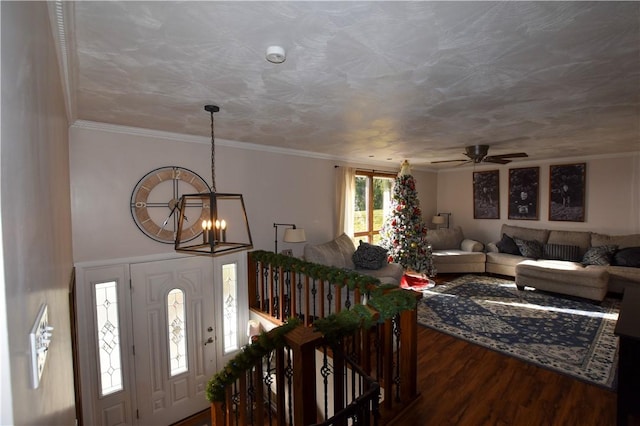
(339, 253)
(577, 263)
(452, 253)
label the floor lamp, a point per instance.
(441, 219)
(291, 235)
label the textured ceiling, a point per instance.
(366, 80)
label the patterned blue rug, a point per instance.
(569, 336)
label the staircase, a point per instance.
(322, 364)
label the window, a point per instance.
(371, 205)
(108, 335)
(177, 329)
(230, 309)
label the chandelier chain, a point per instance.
(213, 157)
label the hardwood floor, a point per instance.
(465, 384)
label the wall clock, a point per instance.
(154, 203)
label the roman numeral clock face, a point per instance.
(155, 204)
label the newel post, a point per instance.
(303, 341)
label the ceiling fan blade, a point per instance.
(512, 155)
(496, 160)
(447, 161)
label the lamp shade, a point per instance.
(294, 235)
(438, 220)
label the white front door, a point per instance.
(174, 337)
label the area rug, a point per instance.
(412, 282)
(573, 337)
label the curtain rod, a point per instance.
(335, 166)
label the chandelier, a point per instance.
(222, 217)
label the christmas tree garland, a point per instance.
(333, 327)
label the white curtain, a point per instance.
(345, 196)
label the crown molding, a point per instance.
(62, 27)
(182, 137)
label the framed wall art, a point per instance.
(523, 193)
(486, 195)
(567, 192)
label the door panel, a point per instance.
(105, 346)
(163, 397)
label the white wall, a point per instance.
(612, 197)
(36, 219)
(281, 188)
(105, 166)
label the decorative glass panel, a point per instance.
(177, 332)
(108, 334)
(230, 307)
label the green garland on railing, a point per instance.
(337, 276)
(334, 327)
(247, 358)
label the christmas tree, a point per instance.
(404, 233)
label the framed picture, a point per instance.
(567, 192)
(486, 195)
(523, 193)
(287, 252)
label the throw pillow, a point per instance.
(507, 245)
(600, 255)
(369, 256)
(532, 249)
(629, 256)
(561, 252)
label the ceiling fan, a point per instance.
(478, 154)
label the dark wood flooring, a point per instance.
(466, 384)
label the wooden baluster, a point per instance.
(242, 400)
(259, 394)
(281, 307)
(322, 295)
(280, 387)
(307, 293)
(251, 281)
(292, 297)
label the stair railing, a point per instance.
(327, 388)
(282, 287)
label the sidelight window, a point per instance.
(230, 306)
(108, 337)
(177, 327)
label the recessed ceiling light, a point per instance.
(276, 54)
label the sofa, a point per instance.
(452, 253)
(339, 253)
(576, 263)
